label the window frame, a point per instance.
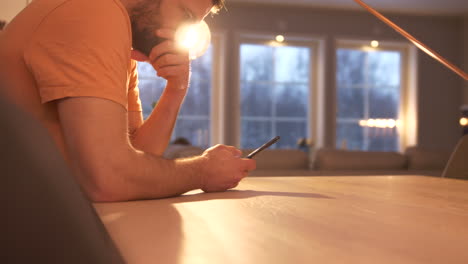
(218, 89)
(316, 113)
(407, 110)
(217, 101)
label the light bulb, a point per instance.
(279, 38)
(195, 38)
(463, 121)
(374, 44)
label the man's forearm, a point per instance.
(109, 168)
(138, 175)
(154, 134)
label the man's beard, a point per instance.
(145, 20)
(145, 39)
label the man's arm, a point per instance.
(153, 135)
(172, 64)
(110, 169)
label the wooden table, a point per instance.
(382, 219)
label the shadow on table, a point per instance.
(156, 225)
(243, 194)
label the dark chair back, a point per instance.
(457, 166)
(48, 218)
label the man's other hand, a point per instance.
(224, 168)
(171, 62)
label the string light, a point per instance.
(279, 38)
(463, 121)
(380, 123)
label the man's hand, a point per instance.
(154, 133)
(170, 62)
(225, 168)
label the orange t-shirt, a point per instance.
(68, 48)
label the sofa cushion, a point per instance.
(425, 159)
(335, 159)
(280, 159)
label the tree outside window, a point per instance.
(193, 122)
(274, 94)
(368, 99)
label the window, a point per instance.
(275, 93)
(194, 120)
(369, 98)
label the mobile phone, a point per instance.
(264, 146)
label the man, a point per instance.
(69, 64)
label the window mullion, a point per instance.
(280, 63)
(366, 101)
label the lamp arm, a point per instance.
(416, 42)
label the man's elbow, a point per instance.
(101, 192)
(102, 195)
(106, 183)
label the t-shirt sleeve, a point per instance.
(134, 102)
(82, 50)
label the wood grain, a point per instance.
(381, 219)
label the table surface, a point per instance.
(368, 219)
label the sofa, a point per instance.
(336, 162)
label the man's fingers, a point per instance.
(236, 152)
(161, 49)
(172, 71)
(249, 164)
(243, 175)
(240, 177)
(170, 60)
(234, 185)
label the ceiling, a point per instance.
(434, 7)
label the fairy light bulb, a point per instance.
(279, 38)
(463, 121)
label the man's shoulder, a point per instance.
(93, 10)
(83, 20)
(46, 8)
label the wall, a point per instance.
(440, 90)
(465, 44)
(9, 8)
